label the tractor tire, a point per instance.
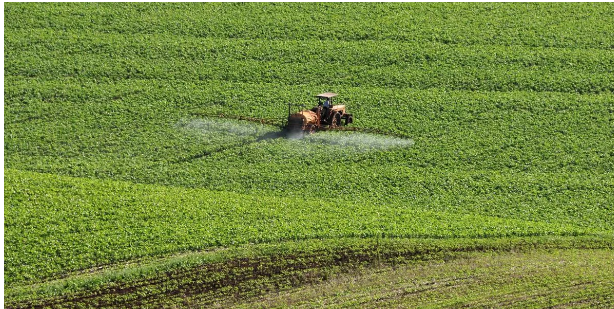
(348, 119)
(334, 122)
(311, 129)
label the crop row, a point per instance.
(423, 76)
(45, 43)
(99, 222)
(561, 25)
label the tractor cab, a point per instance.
(327, 96)
(325, 102)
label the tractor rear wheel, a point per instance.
(348, 119)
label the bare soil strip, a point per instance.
(250, 279)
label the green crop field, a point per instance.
(131, 177)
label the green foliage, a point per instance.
(569, 25)
(55, 224)
(507, 120)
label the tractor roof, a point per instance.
(326, 95)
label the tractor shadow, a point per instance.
(206, 153)
(272, 135)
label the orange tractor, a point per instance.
(325, 116)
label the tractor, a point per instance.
(324, 116)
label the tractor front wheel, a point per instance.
(336, 120)
(311, 129)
